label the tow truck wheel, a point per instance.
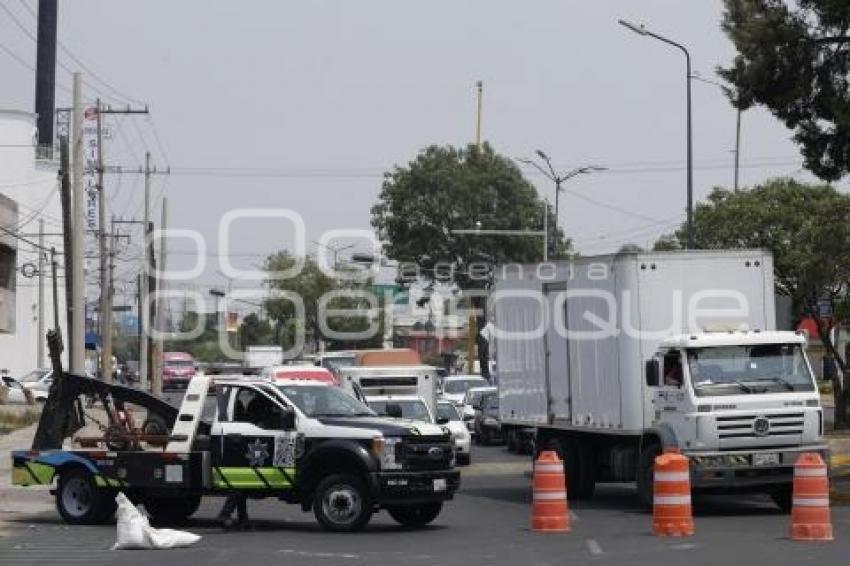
(80, 501)
(416, 515)
(341, 503)
(170, 510)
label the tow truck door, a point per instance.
(250, 450)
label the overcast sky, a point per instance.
(303, 105)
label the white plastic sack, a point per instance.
(135, 532)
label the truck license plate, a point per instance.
(771, 459)
(440, 484)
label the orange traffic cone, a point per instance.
(810, 518)
(549, 512)
(671, 514)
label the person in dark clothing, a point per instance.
(236, 501)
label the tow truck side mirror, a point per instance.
(287, 419)
(652, 373)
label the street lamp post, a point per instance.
(640, 30)
(559, 179)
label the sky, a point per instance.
(303, 106)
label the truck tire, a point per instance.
(341, 503)
(415, 515)
(171, 510)
(512, 440)
(463, 459)
(80, 501)
(578, 467)
(646, 474)
(783, 498)
(155, 425)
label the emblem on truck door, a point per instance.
(761, 426)
(257, 454)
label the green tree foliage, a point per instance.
(445, 189)
(255, 331)
(311, 284)
(794, 58)
(807, 229)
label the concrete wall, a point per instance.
(32, 185)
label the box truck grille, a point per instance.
(744, 426)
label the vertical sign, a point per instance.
(90, 167)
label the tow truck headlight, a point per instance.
(384, 448)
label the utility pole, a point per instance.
(105, 317)
(159, 320)
(737, 147)
(42, 337)
(67, 237)
(77, 306)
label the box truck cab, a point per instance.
(613, 359)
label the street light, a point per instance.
(559, 179)
(640, 30)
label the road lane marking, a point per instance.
(573, 516)
(594, 547)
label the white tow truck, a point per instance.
(612, 359)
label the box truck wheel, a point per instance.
(646, 474)
(578, 466)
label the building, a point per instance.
(29, 198)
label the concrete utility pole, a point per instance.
(159, 319)
(67, 239)
(77, 307)
(479, 86)
(42, 337)
(105, 282)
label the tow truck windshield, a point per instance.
(762, 368)
(324, 401)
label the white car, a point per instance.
(448, 416)
(456, 386)
(16, 393)
(38, 382)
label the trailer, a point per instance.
(304, 443)
(613, 359)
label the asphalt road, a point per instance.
(487, 524)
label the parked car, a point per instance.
(487, 425)
(178, 368)
(448, 416)
(16, 394)
(38, 382)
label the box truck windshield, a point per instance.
(730, 370)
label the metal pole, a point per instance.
(55, 269)
(67, 237)
(42, 337)
(690, 157)
(558, 181)
(145, 359)
(160, 308)
(45, 73)
(737, 147)
(480, 89)
(78, 306)
(545, 231)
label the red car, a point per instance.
(177, 369)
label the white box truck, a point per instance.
(614, 358)
(259, 357)
(412, 388)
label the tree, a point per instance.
(310, 283)
(255, 332)
(630, 248)
(806, 228)
(445, 189)
(795, 61)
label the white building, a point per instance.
(29, 193)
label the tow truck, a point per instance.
(305, 443)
